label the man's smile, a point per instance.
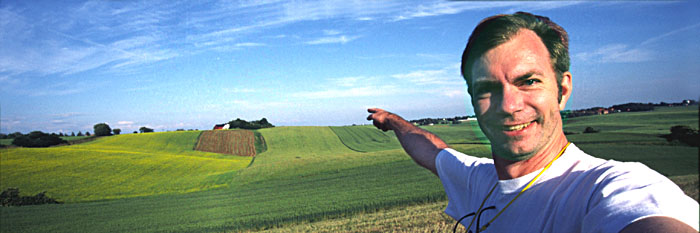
(516, 127)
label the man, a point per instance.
(516, 69)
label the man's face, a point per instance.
(515, 97)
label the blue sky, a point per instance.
(190, 64)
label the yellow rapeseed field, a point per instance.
(117, 167)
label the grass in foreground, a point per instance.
(419, 217)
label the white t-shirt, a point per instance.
(578, 193)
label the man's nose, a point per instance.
(511, 100)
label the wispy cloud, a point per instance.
(669, 34)
(79, 38)
(616, 53)
(332, 39)
(625, 53)
(249, 44)
(120, 34)
(331, 32)
(446, 76)
(350, 81)
(366, 91)
(437, 8)
(239, 90)
(67, 115)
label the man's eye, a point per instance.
(531, 82)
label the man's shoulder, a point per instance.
(455, 166)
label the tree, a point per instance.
(72, 134)
(87, 133)
(102, 129)
(38, 139)
(116, 131)
(14, 135)
(242, 124)
(80, 134)
(684, 134)
(145, 129)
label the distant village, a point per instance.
(628, 107)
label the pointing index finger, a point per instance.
(374, 110)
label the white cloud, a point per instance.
(331, 32)
(667, 34)
(249, 44)
(367, 91)
(332, 40)
(125, 122)
(446, 76)
(616, 53)
(239, 90)
(437, 8)
(348, 81)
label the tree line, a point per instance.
(41, 139)
(242, 124)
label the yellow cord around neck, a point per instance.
(516, 197)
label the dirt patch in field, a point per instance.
(232, 142)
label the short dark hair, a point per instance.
(498, 29)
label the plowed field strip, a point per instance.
(233, 142)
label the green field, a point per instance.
(353, 178)
(366, 138)
(116, 167)
(6, 142)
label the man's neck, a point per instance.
(507, 169)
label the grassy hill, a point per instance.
(306, 174)
(366, 138)
(635, 136)
(116, 167)
(310, 178)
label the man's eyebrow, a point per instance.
(486, 83)
(527, 76)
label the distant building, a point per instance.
(221, 126)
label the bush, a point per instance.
(116, 131)
(145, 130)
(685, 135)
(590, 130)
(38, 139)
(102, 129)
(11, 197)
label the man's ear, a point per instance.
(566, 87)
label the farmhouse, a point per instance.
(221, 126)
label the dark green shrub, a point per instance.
(11, 197)
(685, 135)
(590, 130)
(38, 139)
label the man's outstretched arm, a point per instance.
(420, 144)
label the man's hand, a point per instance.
(421, 145)
(380, 118)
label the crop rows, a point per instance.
(232, 142)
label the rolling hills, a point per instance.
(114, 167)
(309, 178)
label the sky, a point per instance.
(168, 65)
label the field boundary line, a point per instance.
(343, 142)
